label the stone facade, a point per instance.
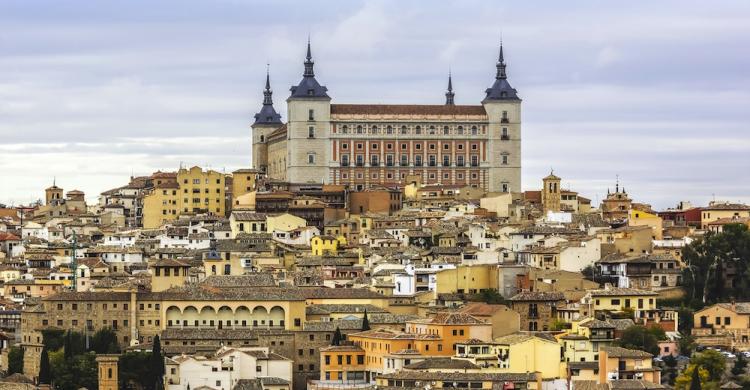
(370, 145)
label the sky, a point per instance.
(655, 93)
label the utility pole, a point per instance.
(73, 261)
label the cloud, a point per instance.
(607, 56)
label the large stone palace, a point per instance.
(362, 145)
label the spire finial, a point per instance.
(449, 96)
(501, 64)
(268, 77)
(308, 61)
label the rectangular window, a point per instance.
(311, 115)
(311, 132)
(311, 158)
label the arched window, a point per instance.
(403, 129)
(432, 129)
(473, 130)
(460, 130)
(359, 129)
(345, 129)
(418, 130)
(262, 138)
(389, 130)
(374, 129)
(446, 130)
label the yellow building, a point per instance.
(284, 222)
(551, 193)
(107, 367)
(717, 210)
(243, 182)
(326, 245)
(585, 338)
(644, 218)
(620, 363)
(466, 279)
(617, 300)
(196, 191)
(529, 352)
(723, 324)
(345, 363)
(167, 273)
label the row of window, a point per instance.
(359, 160)
(431, 130)
(431, 176)
(405, 146)
(340, 359)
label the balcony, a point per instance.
(504, 120)
(474, 164)
(460, 164)
(374, 164)
(345, 163)
(505, 137)
(418, 164)
(360, 164)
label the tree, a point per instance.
(68, 346)
(686, 344)
(365, 322)
(690, 378)
(74, 373)
(104, 341)
(640, 337)
(671, 369)
(490, 296)
(695, 380)
(45, 371)
(15, 360)
(336, 337)
(704, 279)
(134, 370)
(739, 365)
(712, 361)
(157, 362)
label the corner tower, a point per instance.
(266, 121)
(308, 128)
(503, 107)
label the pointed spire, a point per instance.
(308, 61)
(267, 114)
(267, 93)
(449, 96)
(501, 75)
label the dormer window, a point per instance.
(310, 92)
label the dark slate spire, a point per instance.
(309, 87)
(309, 62)
(450, 95)
(267, 114)
(501, 89)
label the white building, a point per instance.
(228, 367)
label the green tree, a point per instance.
(45, 371)
(336, 337)
(134, 370)
(640, 337)
(706, 258)
(74, 373)
(670, 371)
(695, 380)
(105, 341)
(739, 365)
(53, 339)
(712, 361)
(489, 296)
(15, 360)
(157, 363)
(365, 322)
(686, 344)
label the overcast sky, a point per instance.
(655, 92)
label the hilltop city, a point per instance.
(372, 246)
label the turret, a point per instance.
(266, 121)
(503, 107)
(449, 96)
(308, 128)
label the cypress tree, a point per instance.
(68, 346)
(157, 364)
(365, 322)
(45, 373)
(695, 381)
(336, 337)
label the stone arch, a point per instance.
(276, 316)
(190, 316)
(173, 315)
(224, 317)
(260, 316)
(243, 317)
(208, 316)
